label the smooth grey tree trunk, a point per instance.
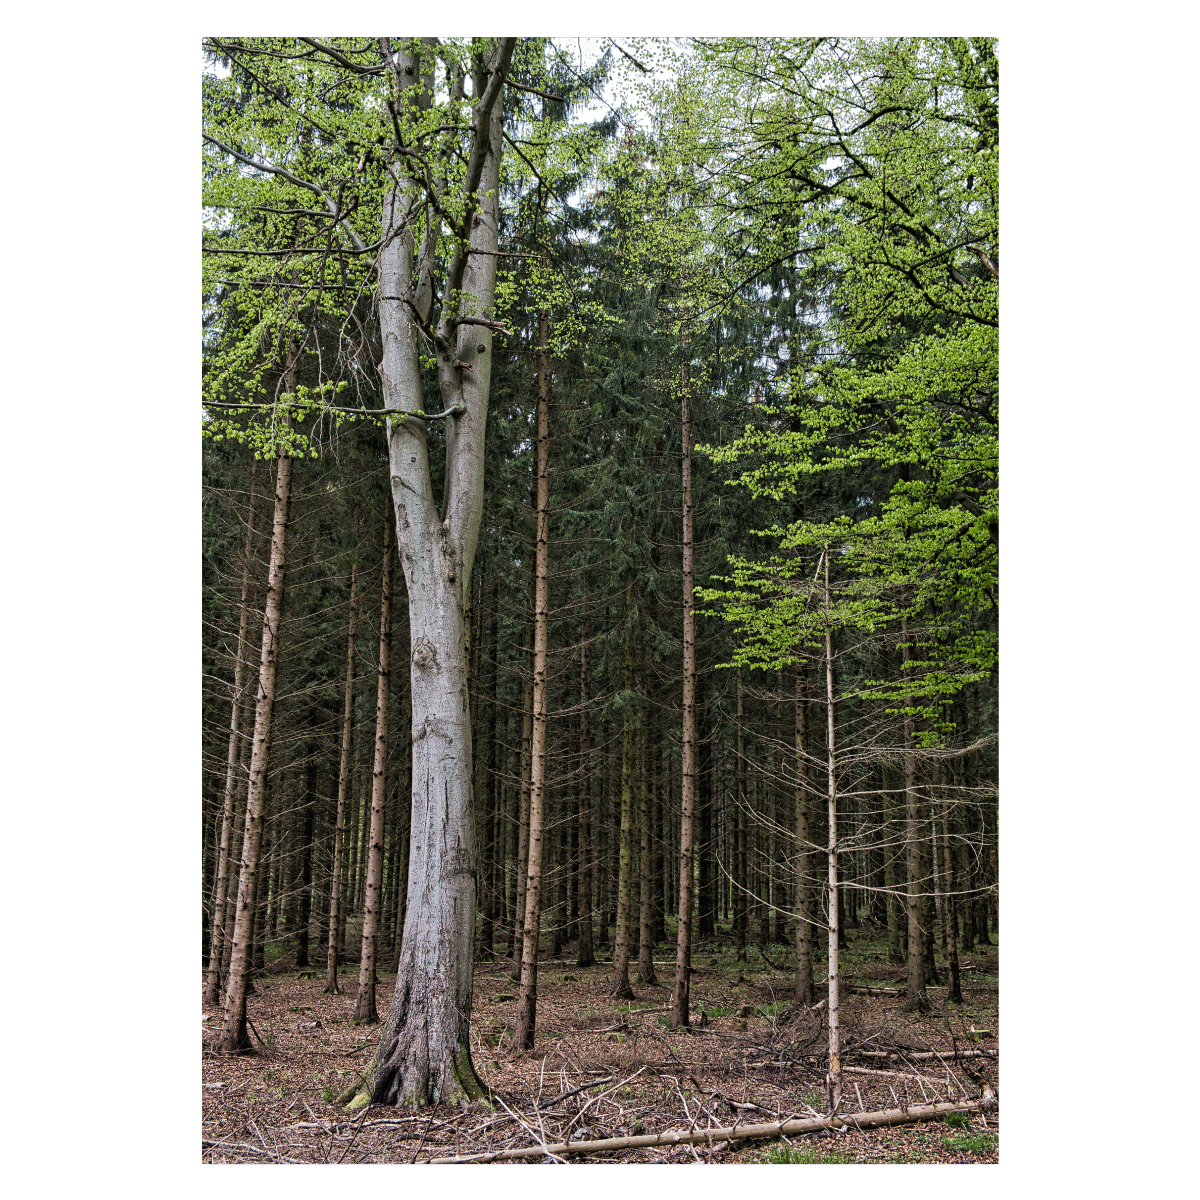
(424, 1054)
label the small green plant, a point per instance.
(791, 1156)
(327, 1095)
(956, 1120)
(982, 1143)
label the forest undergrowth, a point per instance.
(604, 1068)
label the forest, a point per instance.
(600, 532)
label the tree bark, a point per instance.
(918, 1000)
(424, 1054)
(619, 985)
(490, 822)
(834, 1092)
(586, 955)
(681, 998)
(955, 993)
(233, 1038)
(221, 887)
(741, 909)
(304, 874)
(365, 1012)
(339, 834)
(527, 1004)
(804, 917)
(522, 864)
(645, 875)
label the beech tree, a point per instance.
(424, 1054)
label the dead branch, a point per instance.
(679, 1137)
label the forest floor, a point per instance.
(628, 1071)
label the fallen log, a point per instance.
(735, 1133)
(866, 989)
(950, 1055)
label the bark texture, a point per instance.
(339, 833)
(586, 955)
(804, 916)
(234, 1039)
(527, 1007)
(681, 997)
(364, 1010)
(424, 1054)
(228, 812)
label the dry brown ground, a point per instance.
(627, 1071)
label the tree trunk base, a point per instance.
(411, 1080)
(916, 1003)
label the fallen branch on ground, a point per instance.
(927, 1054)
(679, 1137)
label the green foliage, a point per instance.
(864, 196)
(957, 1119)
(791, 1156)
(982, 1143)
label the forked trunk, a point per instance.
(424, 1054)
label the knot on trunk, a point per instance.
(424, 654)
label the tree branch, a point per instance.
(983, 258)
(315, 188)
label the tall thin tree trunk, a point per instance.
(619, 986)
(522, 865)
(834, 1093)
(891, 880)
(221, 887)
(364, 1011)
(955, 993)
(233, 1038)
(586, 955)
(804, 914)
(741, 882)
(490, 822)
(339, 835)
(681, 998)
(645, 875)
(304, 890)
(916, 999)
(527, 1004)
